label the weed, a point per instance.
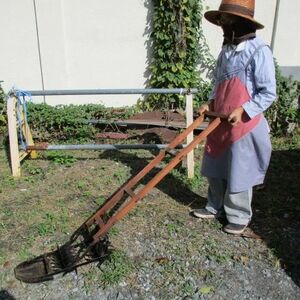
(32, 170)
(24, 254)
(54, 222)
(7, 212)
(3, 257)
(172, 228)
(120, 176)
(87, 194)
(99, 201)
(81, 185)
(187, 288)
(114, 231)
(215, 225)
(61, 158)
(116, 268)
(29, 179)
(44, 228)
(215, 252)
(8, 181)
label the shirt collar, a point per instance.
(237, 48)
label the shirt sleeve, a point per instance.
(264, 84)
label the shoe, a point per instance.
(234, 228)
(203, 213)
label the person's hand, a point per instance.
(236, 116)
(206, 107)
(203, 108)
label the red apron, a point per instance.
(231, 93)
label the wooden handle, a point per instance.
(212, 114)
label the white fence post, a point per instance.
(13, 137)
(190, 137)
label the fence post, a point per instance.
(190, 137)
(13, 137)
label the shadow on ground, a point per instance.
(277, 211)
(5, 295)
(170, 185)
(276, 208)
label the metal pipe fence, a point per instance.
(181, 91)
(17, 156)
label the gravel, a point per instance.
(190, 259)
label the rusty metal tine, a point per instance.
(156, 179)
(131, 183)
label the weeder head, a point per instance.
(65, 259)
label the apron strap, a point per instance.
(253, 54)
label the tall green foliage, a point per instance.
(178, 49)
(283, 116)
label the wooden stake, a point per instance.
(190, 137)
(13, 137)
(27, 134)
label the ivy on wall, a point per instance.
(179, 51)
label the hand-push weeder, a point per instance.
(90, 241)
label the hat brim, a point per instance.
(214, 15)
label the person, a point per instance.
(238, 152)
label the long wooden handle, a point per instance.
(213, 114)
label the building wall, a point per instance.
(103, 44)
(87, 44)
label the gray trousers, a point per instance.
(237, 206)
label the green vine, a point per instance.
(179, 51)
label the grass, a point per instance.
(116, 268)
(58, 191)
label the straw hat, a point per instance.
(241, 8)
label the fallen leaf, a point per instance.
(162, 260)
(7, 264)
(206, 289)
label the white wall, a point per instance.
(19, 62)
(103, 44)
(87, 44)
(287, 42)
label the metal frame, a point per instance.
(17, 155)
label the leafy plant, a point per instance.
(70, 122)
(116, 268)
(283, 116)
(178, 51)
(61, 158)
